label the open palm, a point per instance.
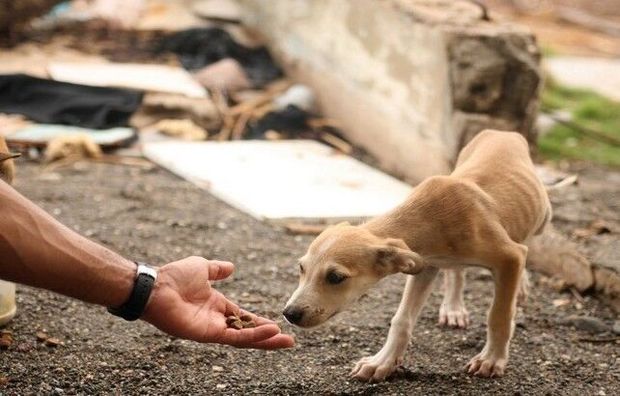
(184, 304)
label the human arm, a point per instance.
(37, 250)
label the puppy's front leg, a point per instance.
(381, 365)
(452, 312)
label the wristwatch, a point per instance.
(133, 308)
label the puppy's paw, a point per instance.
(486, 365)
(376, 368)
(453, 315)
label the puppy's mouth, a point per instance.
(310, 324)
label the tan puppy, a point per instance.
(7, 168)
(480, 215)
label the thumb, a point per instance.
(220, 269)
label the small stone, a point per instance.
(220, 386)
(217, 369)
(41, 336)
(616, 328)
(226, 74)
(587, 323)
(5, 343)
(53, 342)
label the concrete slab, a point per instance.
(283, 179)
(601, 75)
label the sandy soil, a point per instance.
(153, 216)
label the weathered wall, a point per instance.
(409, 80)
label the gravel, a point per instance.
(153, 216)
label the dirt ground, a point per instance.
(154, 216)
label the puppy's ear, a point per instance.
(395, 256)
(6, 156)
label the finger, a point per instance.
(244, 338)
(220, 269)
(278, 341)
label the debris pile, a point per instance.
(214, 81)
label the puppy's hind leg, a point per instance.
(509, 264)
(382, 364)
(452, 312)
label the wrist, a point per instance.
(133, 308)
(125, 278)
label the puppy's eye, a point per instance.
(335, 278)
(301, 269)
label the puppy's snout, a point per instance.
(293, 314)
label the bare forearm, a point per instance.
(37, 250)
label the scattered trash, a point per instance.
(38, 135)
(143, 77)
(73, 12)
(298, 95)
(7, 168)
(290, 122)
(54, 102)
(600, 340)
(159, 106)
(554, 179)
(586, 323)
(560, 302)
(6, 339)
(226, 74)
(218, 10)
(285, 179)
(10, 123)
(3, 380)
(8, 307)
(597, 227)
(184, 129)
(72, 147)
(200, 47)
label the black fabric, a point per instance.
(292, 122)
(200, 47)
(55, 102)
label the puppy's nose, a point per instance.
(293, 314)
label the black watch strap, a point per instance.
(133, 308)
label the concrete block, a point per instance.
(406, 79)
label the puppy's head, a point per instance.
(340, 265)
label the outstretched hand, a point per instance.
(184, 304)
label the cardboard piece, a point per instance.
(157, 78)
(282, 179)
(38, 135)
